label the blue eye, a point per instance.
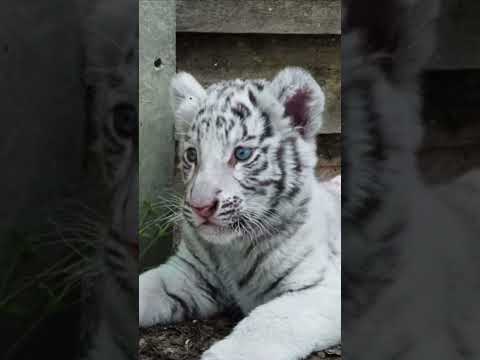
(243, 153)
(191, 155)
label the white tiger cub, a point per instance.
(259, 230)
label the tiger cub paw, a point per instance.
(153, 307)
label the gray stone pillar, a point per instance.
(157, 146)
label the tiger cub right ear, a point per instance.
(186, 95)
(302, 98)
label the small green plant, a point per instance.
(157, 221)
(38, 266)
(49, 263)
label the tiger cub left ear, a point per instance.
(302, 98)
(186, 95)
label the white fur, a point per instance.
(289, 327)
(292, 79)
(186, 95)
(285, 319)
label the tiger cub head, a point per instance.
(248, 152)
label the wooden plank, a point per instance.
(329, 150)
(458, 44)
(453, 89)
(448, 152)
(157, 146)
(437, 137)
(443, 165)
(439, 160)
(260, 16)
(214, 57)
(451, 108)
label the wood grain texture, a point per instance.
(260, 16)
(329, 151)
(442, 165)
(214, 57)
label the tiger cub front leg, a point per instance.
(290, 327)
(178, 290)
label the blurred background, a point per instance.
(451, 145)
(55, 206)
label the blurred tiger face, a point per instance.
(362, 154)
(381, 130)
(114, 117)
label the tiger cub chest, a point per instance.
(254, 275)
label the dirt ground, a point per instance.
(188, 340)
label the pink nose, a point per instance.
(205, 211)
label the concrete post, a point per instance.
(157, 66)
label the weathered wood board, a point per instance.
(447, 153)
(329, 151)
(443, 155)
(458, 44)
(260, 16)
(215, 57)
(451, 144)
(452, 99)
(442, 165)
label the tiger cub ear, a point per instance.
(302, 98)
(186, 95)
